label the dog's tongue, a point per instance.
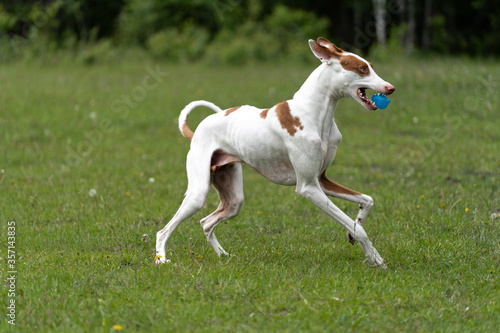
(380, 100)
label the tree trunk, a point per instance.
(410, 40)
(380, 12)
(357, 14)
(426, 31)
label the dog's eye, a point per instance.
(363, 70)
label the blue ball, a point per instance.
(380, 101)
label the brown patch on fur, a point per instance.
(263, 114)
(221, 158)
(231, 110)
(186, 131)
(334, 187)
(287, 121)
(353, 64)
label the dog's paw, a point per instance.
(159, 260)
(383, 267)
(375, 260)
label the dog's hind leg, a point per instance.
(228, 181)
(198, 170)
(338, 191)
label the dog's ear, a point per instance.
(322, 53)
(334, 49)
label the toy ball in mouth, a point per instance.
(380, 100)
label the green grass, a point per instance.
(431, 162)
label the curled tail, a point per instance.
(183, 126)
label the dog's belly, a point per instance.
(277, 171)
(266, 153)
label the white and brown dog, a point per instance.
(292, 143)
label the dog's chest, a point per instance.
(333, 136)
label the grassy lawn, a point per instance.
(431, 161)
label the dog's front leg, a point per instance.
(313, 192)
(338, 191)
(304, 157)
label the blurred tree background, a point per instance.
(237, 31)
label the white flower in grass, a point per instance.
(93, 115)
(151, 180)
(92, 192)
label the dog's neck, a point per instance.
(318, 96)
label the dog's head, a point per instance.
(353, 74)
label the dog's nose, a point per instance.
(389, 89)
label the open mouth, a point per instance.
(370, 105)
